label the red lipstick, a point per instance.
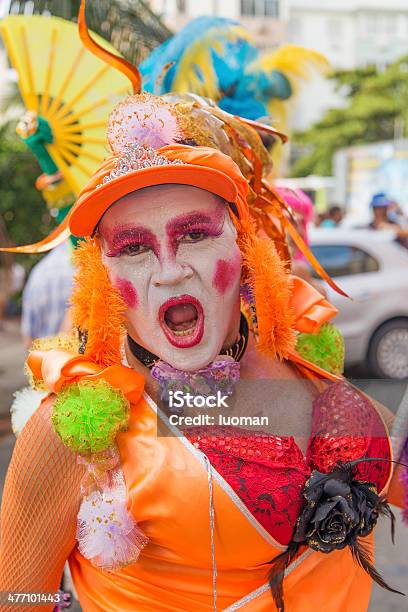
(182, 320)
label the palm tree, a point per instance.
(130, 25)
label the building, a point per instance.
(266, 19)
(351, 33)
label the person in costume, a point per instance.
(179, 285)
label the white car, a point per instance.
(372, 268)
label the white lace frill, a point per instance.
(107, 534)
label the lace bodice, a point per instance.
(268, 472)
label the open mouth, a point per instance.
(182, 320)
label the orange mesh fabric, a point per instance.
(39, 508)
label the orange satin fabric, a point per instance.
(168, 495)
(58, 367)
(310, 307)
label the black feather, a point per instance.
(361, 554)
(277, 573)
(313, 491)
(385, 510)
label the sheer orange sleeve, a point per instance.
(39, 509)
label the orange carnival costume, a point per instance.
(200, 517)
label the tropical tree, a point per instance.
(22, 208)
(375, 110)
(130, 25)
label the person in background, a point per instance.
(302, 210)
(6, 269)
(333, 219)
(396, 213)
(380, 206)
(319, 218)
(46, 295)
(383, 209)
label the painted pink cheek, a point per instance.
(127, 291)
(226, 272)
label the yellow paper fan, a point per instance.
(66, 85)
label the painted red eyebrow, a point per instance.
(183, 221)
(120, 236)
(130, 232)
(190, 218)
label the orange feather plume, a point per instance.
(97, 307)
(270, 284)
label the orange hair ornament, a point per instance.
(54, 239)
(117, 62)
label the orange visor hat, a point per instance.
(137, 167)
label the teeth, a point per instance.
(184, 332)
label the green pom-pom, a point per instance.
(325, 349)
(87, 416)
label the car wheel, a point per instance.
(388, 350)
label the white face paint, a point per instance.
(171, 251)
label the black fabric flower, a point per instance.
(339, 510)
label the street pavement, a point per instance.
(392, 560)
